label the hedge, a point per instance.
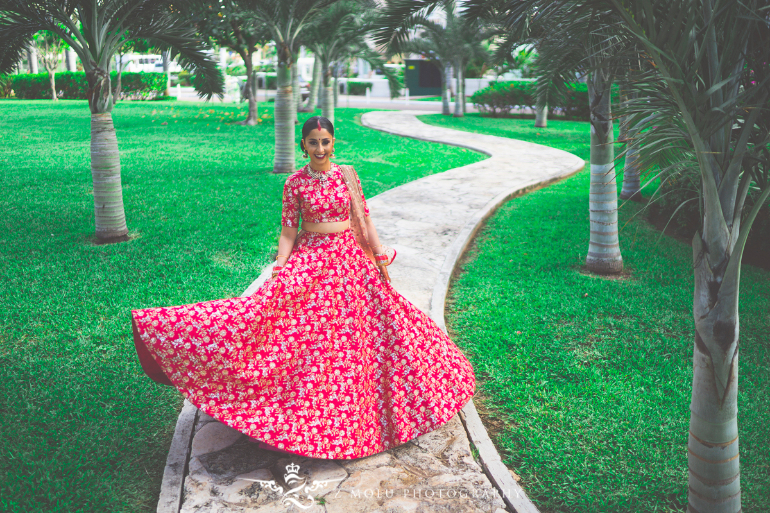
(503, 96)
(358, 88)
(72, 85)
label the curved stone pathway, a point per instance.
(430, 221)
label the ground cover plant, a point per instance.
(81, 427)
(588, 380)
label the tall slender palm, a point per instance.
(231, 24)
(312, 98)
(339, 33)
(405, 26)
(285, 20)
(437, 50)
(95, 30)
(708, 92)
(49, 45)
(570, 40)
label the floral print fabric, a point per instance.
(326, 360)
(315, 202)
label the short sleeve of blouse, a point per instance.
(363, 198)
(290, 209)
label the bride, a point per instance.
(325, 359)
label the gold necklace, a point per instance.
(318, 175)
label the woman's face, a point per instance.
(319, 145)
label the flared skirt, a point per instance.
(325, 361)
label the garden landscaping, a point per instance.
(587, 380)
(82, 428)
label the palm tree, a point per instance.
(708, 94)
(50, 48)
(312, 98)
(573, 40)
(339, 33)
(95, 30)
(284, 20)
(231, 24)
(455, 43)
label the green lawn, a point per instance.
(589, 379)
(81, 427)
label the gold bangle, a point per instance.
(279, 256)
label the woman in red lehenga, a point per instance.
(325, 359)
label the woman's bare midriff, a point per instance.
(326, 227)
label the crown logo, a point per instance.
(299, 491)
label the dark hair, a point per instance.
(314, 123)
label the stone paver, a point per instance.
(428, 221)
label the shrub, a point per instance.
(72, 85)
(183, 78)
(500, 97)
(358, 88)
(503, 96)
(140, 86)
(5, 85)
(236, 71)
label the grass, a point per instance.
(81, 428)
(588, 380)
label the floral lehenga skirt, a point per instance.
(325, 361)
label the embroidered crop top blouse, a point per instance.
(315, 202)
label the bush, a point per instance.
(358, 88)
(236, 71)
(183, 79)
(503, 96)
(72, 85)
(5, 85)
(500, 97)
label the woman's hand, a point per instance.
(285, 244)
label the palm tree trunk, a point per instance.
(69, 57)
(314, 87)
(166, 69)
(713, 455)
(119, 80)
(603, 248)
(295, 90)
(285, 113)
(52, 79)
(458, 97)
(327, 99)
(336, 89)
(32, 58)
(105, 172)
(445, 90)
(541, 111)
(251, 78)
(462, 92)
(631, 179)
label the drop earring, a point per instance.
(304, 154)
